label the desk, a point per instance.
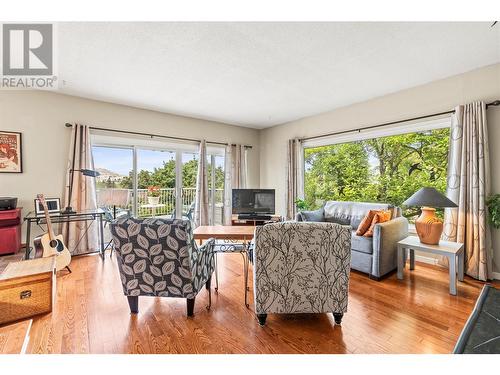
(232, 234)
(454, 251)
(56, 218)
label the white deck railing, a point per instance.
(123, 198)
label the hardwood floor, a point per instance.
(14, 337)
(416, 315)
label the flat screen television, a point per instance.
(253, 201)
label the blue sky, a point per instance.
(120, 160)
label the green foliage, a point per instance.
(493, 204)
(388, 169)
(164, 177)
(301, 204)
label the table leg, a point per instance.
(27, 254)
(453, 274)
(216, 274)
(412, 259)
(400, 251)
(461, 266)
(245, 269)
(101, 237)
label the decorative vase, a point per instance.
(153, 200)
(429, 226)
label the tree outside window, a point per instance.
(387, 169)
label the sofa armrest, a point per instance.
(315, 216)
(385, 238)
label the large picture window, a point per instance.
(385, 169)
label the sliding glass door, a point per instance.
(157, 182)
(189, 176)
(216, 189)
(115, 183)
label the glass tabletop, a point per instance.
(34, 216)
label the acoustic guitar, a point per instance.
(49, 244)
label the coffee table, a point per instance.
(236, 240)
(454, 251)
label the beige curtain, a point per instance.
(201, 200)
(295, 176)
(79, 239)
(468, 185)
(235, 176)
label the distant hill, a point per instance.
(108, 173)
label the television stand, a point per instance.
(254, 220)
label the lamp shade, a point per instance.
(430, 197)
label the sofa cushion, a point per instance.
(380, 217)
(365, 223)
(361, 243)
(350, 213)
(316, 216)
(338, 212)
(361, 209)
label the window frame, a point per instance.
(386, 131)
(178, 148)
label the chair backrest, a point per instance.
(154, 256)
(302, 267)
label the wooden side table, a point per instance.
(454, 251)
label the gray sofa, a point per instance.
(375, 255)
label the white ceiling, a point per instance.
(263, 74)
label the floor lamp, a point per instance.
(85, 172)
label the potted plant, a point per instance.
(301, 204)
(493, 204)
(153, 195)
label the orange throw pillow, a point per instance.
(365, 223)
(379, 217)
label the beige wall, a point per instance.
(438, 96)
(41, 116)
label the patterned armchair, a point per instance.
(159, 257)
(301, 268)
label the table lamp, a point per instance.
(429, 226)
(86, 172)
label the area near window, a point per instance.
(386, 165)
(128, 166)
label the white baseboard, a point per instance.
(428, 260)
(434, 261)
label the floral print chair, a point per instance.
(159, 257)
(301, 267)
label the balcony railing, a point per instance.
(124, 198)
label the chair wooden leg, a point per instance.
(133, 302)
(207, 286)
(338, 318)
(190, 306)
(262, 318)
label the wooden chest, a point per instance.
(27, 288)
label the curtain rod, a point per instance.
(494, 103)
(68, 125)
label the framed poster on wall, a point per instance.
(10, 152)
